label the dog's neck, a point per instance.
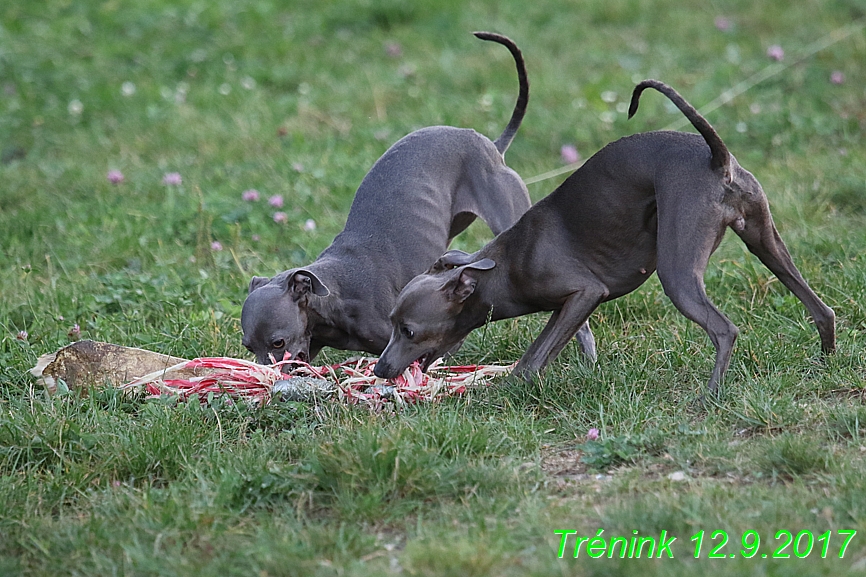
(493, 298)
(325, 323)
(330, 318)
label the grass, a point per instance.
(299, 99)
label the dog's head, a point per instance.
(434, 313)
(274, 318)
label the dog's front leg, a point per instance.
(561, 327)
(584, 337)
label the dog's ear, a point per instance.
(460, 287)
(483, 264)
(449, 260)
(258, 281)
(304, 282)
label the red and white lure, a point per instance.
(353, 379)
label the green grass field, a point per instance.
(298, 99)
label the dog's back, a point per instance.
(424, 190)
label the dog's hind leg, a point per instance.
(683, 254)
(763, 240)
(686, 290)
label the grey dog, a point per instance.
(427, 188)
(653, 201)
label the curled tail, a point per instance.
(721, 158)
(507, 135)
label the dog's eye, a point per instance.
(407, 332)
(278, 344)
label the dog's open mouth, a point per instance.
(299, 356)
(425, 360)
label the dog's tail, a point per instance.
(504, 141)
(721, 158)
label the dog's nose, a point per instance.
(383, 370)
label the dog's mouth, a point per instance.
(425, 361)
(300, 356)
